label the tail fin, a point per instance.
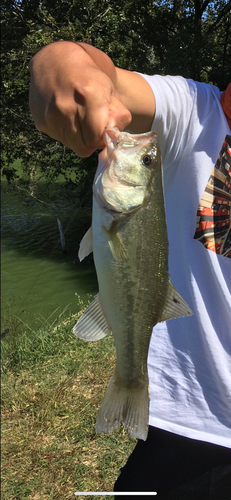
(126, 405)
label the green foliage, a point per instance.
(187, 37)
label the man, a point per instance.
(75, 92)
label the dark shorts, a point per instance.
(177, 468)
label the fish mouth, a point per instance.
(120, 180)
(114, 138)
(111, 139)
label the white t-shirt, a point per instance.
(190, 358)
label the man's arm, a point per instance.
(76, 91)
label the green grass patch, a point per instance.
(52, 387)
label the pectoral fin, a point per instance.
(86, 245)
(92, 325)
(117, 246)
(175, 305)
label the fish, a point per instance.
(129, 241)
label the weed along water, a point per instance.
(40, 281)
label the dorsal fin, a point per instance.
(175, 305)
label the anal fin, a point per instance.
(92, 325)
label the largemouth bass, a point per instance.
(129, 241)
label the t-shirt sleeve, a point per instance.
(183, 108)
(175, 101)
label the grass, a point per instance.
(52, 387)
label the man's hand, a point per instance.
(72, 99)
(76, 90)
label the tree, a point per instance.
(187, 37)
(26, 27)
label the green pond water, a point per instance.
(39, 282)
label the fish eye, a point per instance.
(146, 160)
